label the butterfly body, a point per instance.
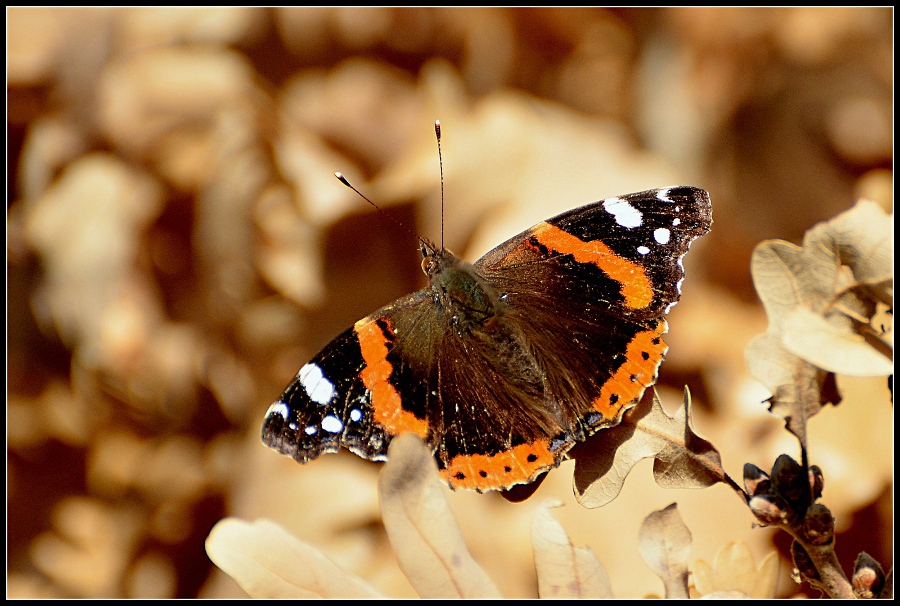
(503, 365)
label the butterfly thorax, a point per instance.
(476, 309)
(471, 304)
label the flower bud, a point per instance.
(818, 525)
(768, 509)
(868, 577)
(756, 481)
(791, 483)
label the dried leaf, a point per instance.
(87, 552)
(564, 571)
(308, 164)
(819, 341)
(371, 127)
(683, 460)
(816, 310)
(143, 95)
(267, 562)
(734, 570)
(865, 235)
(85, 228)
(426, 539)
(289, 250)
(665, 544)
(802, 395)
(860, 303)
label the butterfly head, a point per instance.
(435, 259)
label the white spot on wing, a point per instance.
(643, 250)
(319, 389)
(626, 215)
(661, 235)
(677, 286)
(332, 424)
(355, 415)
(311, 430)
(676, 222)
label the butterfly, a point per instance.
(502, 365)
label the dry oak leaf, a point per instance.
(665, 544)
(682, 459)
(820, 300)
(861, 241)
(268, 562)
(839, 349)
(564, 571)
(734, 570)
(427, 541)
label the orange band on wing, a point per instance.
(635, 285)
(642, 359)
(386, 401)
(493, 472)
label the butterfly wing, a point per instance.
(589, 289)
(623, 253)
(329, 403)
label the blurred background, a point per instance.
(178, 247)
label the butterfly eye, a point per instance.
(427, 263)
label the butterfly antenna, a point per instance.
(344, 180)
(437, 133)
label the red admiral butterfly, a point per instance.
(501, 366)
